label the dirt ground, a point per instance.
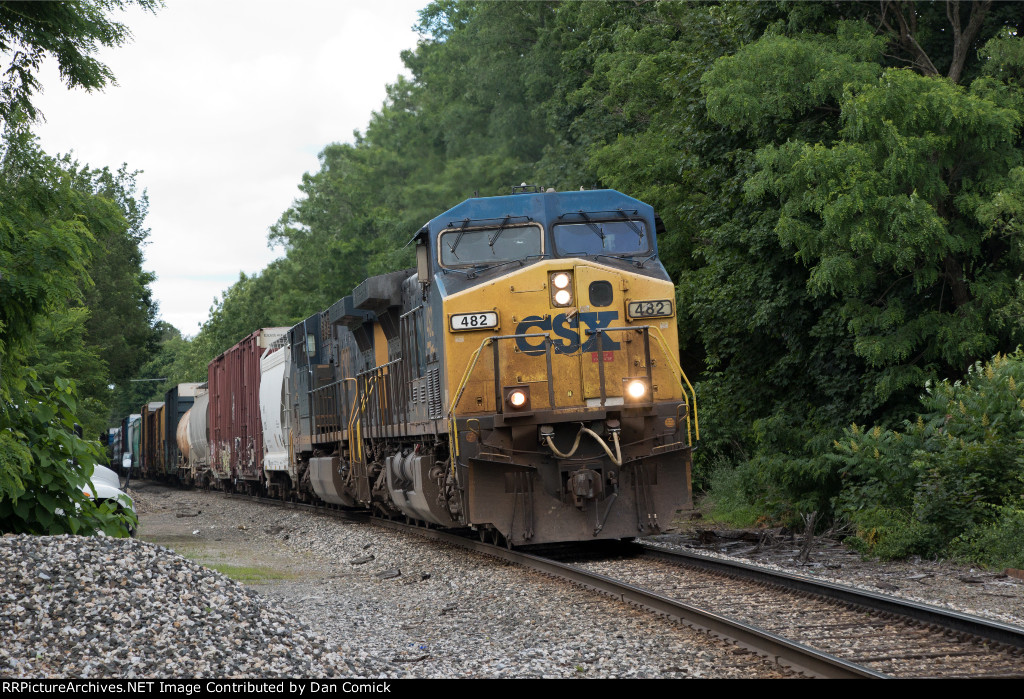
(216, 532)
(233, 536)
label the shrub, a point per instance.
(950, 475)
(44, 466)
(996, 543)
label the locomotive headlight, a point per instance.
(517, 398)
(636, 389)
(561, 288)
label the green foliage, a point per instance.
(888, 534)
(62, 226)
(59, 224)
(742, 497)
(45, 466)
(867, 243)
(70, 32)
(996, 543)
(951, 474)
(44, 246)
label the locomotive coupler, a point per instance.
(585, 485)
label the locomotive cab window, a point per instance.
(485, 246)
(602, 238)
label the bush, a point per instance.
(736, 498)
(949, 476)
(888, 534)
(996, 543)
(44, 466)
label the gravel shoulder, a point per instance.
(394, 605)
(986, 593)
(226, 588)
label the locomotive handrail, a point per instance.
(452, 432)
(371, 376)
(675, 365)
(678, 367)
(355, 419)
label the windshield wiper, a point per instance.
(593, 226)
(493, 240)
(462, 231)
(480, 270)
(632, 224)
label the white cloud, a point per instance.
(224, 105)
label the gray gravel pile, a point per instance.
(97, 607)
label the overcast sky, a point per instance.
(224, 105)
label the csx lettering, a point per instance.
(566, 330)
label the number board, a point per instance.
(473, 321)
(649, 309)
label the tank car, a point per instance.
(523, 380)
(197, 468)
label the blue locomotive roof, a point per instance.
(543, 207)
(579, 214)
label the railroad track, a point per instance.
(809, 626)
(881, 635)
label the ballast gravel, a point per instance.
(325, 597)
(97, 607)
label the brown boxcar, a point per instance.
(153, 440)
(234, 425)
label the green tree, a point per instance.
(46, 247)
(875, 239)
(70, 32)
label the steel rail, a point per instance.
(784, 652)
(955, 621)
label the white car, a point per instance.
(105, 486)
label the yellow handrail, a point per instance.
(452, 432)
(678, 367)
(684, 383)
(354, 419)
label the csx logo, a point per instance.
(568, 330)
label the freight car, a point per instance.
(234, 427)
(153, 426)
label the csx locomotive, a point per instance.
(522, 380)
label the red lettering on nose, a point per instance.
(595, 357)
